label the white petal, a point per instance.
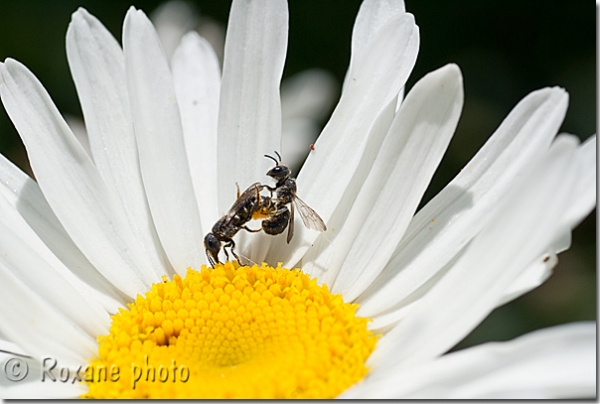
(23, 376)
(30, 260)
(90, 214)
(250, 108)
(408, 157)
(584, 197)
(523, 228)
(371, 18)
(40, 329)
(78, 128)
(172, 20)
(159, 136)
(454, 216)
(554, 363)
(197, 79)
(583, 200)
(376, 79)
(385, 321)
(7, 347)
(17, 365)
(97, 66)
(25, 196)
(316, 260)
(532, 276)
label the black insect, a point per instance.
(250, 204)
(285, 194)
(273, 209)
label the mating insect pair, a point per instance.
(273, 209)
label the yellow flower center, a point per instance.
(232, 332)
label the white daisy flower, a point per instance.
(95, 255)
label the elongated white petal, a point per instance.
(97, 66)
(376, 80)
(250, 108)
(583, 200)
(412, 141)
(371, 18)
(316, 260)
(197, 79)
(173, 19)
(584, 197)
(553, 363)
(524, 226)
(30, 260)
(89, 212)
(408, 157)
(26, 197)
(159, 136)
(17, 365)
(452, 218)
(533, 276)
(24, 376)
(384, 150)
(7, 347)
(78, 128)
(40, 328)
(383, 322)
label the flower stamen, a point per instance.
(235, 332)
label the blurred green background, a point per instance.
(505, 49)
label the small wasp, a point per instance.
(285, 194)
(250, 204)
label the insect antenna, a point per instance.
(273, 158)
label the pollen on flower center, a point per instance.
(233, 332)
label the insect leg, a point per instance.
(234, 254)
(251, 230)
(271, 189)
(231, 245)
(225, 251)
(210, 260)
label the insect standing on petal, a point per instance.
(285, 194)
(250, 204)
(272, 209)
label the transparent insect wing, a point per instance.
(310, 218)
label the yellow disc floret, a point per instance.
(232, 332)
